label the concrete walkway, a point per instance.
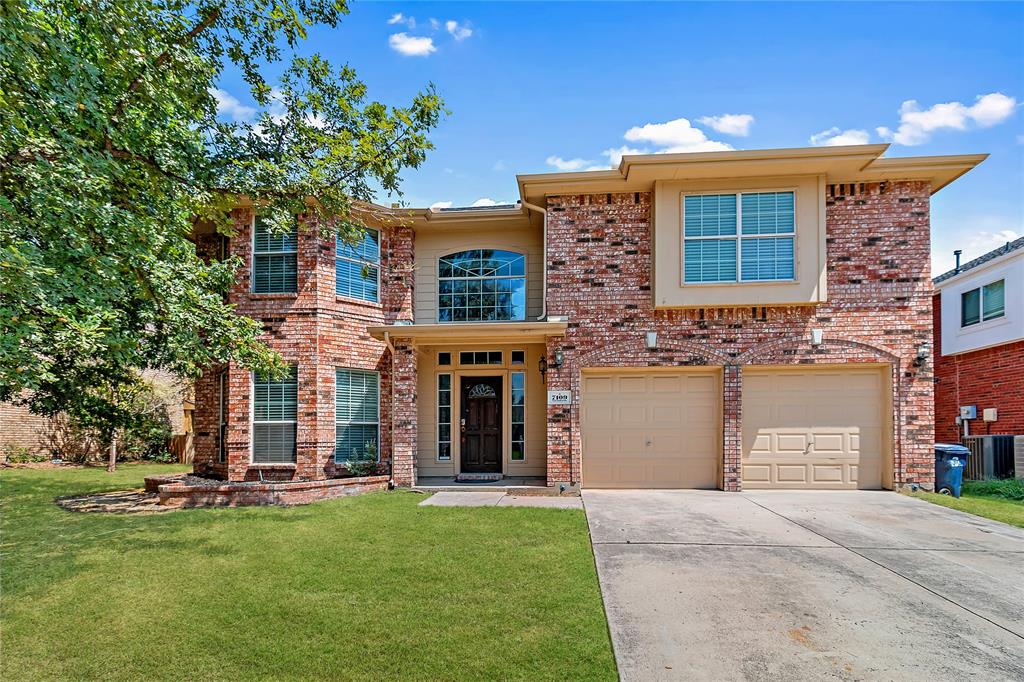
(705, 585)
(499, 499)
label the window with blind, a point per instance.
(482, 285)
(357, 267)
(357, 416)
(222, 417)
(983, 303)
(274, 261)
(739, 237)
(274, 410)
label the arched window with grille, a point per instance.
(481, 285)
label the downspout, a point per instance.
(544, 257)
(391, 417)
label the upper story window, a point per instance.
(482, 285)
(983, 303)
(739, 237)
(274, 261)
(357, 267)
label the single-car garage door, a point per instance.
(823, 427)
(651, 429)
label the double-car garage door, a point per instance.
(817, 428)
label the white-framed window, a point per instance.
(357, 267)
(357, 415)
(444, 417)
(274, 260)
(983, 303)
(518, 421)
(481, 357)
(739, 237)
(481, 285)
(274, 418)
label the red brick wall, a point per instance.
(316, 330)
(991, 377)
(879, 310)
(19, 428)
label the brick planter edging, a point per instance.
(282, 493)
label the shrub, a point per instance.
(17, 454)
(366, 465)
(1008, 489)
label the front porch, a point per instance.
(470, 401)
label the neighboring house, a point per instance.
(979, 344)
(743, 319)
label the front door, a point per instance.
(481, 425)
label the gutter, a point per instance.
(544, 255)
(391, 421)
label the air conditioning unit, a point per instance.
(994, 457)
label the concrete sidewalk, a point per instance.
(499, 499)
(706, 585)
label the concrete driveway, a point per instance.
(706, 585)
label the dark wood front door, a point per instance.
(481, 425)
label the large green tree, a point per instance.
(111, 148)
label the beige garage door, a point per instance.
(814, 428)
(651, 429)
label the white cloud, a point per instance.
(435, 24)
(676, 135)
(730, 124)
(411, 46)
(567, 164)
(459, 31)
(834, 137)
(977, 244)
(917, 125)
(229, 106)
(485, 201)
(441, 204)
(499, 165)
(399, 18)
(615, 154)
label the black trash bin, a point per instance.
(950, 461)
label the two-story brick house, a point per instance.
(741, 319)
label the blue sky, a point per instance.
(533, 87)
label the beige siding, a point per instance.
(432, 245)
(535, 463)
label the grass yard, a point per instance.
(996, 500)
(369, 587)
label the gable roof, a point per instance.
(1009, 247)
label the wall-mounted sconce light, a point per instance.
(923, 350)
(542, 365)
(651, 340)
(559, 358)
(815, 337)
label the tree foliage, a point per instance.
(111, 149)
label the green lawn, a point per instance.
(997, 500)
(369, 587)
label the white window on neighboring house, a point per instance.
(739, 237)
(983, 303)
(274, 418)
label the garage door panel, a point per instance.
(813, 428)
(651, 430)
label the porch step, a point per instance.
(478, 478)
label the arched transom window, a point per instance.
(481, 285)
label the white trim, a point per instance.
(738, 236)
(376, 376)
(376, 265)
